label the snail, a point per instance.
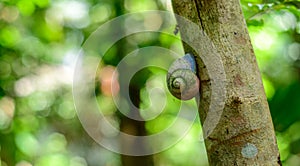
(182, 80)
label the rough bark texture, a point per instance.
(244, 134)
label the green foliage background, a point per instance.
(39, 42)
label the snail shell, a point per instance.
(182, 80)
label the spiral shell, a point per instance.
(182, 80)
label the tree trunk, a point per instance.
(137, 128)
(128, 125)
(244, 134)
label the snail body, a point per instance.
(182, 80)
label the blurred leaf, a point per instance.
(294, 3)
(26, 7)
(57, 159)
(41, 3)
(255, 22)
(295, 147)
(2, 93)
(27, 143)
(9, 36)
(284, 106)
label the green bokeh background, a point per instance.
(39, 42)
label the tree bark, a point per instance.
(244, 135)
